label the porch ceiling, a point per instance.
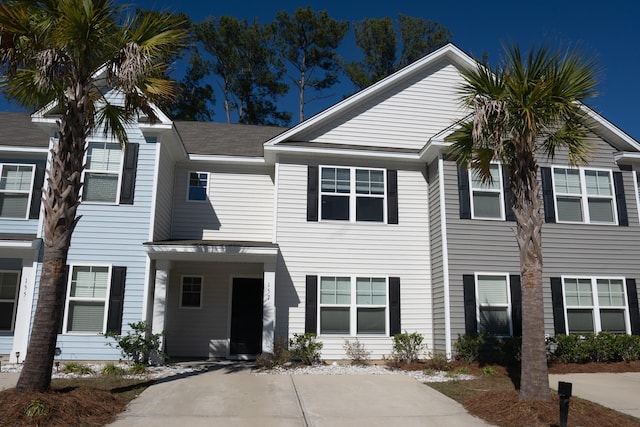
(211, 250)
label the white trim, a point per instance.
(226, 159)
(20, 244)
(206, 190)
(86, 170)
(445, 259)
(276, 194)
(28, 192)
(270, 151)
(509, 306)
(182, 277)
(105, 299)
(152, 229)
(210, 249)
(500, 192)
(14, 148)
(635, 191)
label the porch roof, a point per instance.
(19, 241)
(211, 250)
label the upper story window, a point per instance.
(494, 304)
(87, 301)
(595, 304)
(102, 172)
(584, 195)
(352, 194)
(353, 305)
(16, 186)
(198, 189)
(487, 200)
(9, 286)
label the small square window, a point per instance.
(198, 186)
(191, 292)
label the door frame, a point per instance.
(232, 277)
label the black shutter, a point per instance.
(36, 194)
(392, 196)
(634, 311)
(506, 189)
(621, 202)
(312, 193)
(547, 195)
(116, 299)
(516, 305)
(558, 305)
(311, 305)
(128, 185)
(395, 326)
(463, 193)
(469, 290)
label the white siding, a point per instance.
(341, 248)
(404, 116)
(240, 205)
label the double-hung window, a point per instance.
(191, 292)
(487, 198)
(198, 188)
(9, 286)
(595, 304)
(494, 304)
(584, 195)
(88, 291)
(102, 172)
(16, 186)
(353, 306)
(352, 194)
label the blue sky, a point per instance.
(608, 31)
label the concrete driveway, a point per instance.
(238, 397)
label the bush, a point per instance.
(603, 347)
(113, 370)
(138, 369)
(306, 348)
(488, 349)
(77, 368)
(138, 344)
(280, 356)
(356, 352)
(407, 347)
(438, 361)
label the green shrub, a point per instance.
(35, 409)
(408, 347)
(306, 348)
(488, 349)
(467, 348)
(356, 351)
(438, 361)
(138, 369)
(280, 356)
(138, 344)
(77, 368)
(603, 347)
(114, 370)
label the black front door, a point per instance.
(246, 316)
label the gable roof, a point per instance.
(17, 130)
(222, 139)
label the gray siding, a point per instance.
(581, 249)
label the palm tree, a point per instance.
(527, 106)
(72, 52)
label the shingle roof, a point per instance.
(16, 129)
(225, 139)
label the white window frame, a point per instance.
(352, 194)
(596, 307)
(29, 191)
(182, 291)
(353, 305)
(584, 197)
(14, 301)
(206, 190)
(68, 299)
(499, 191)
(99, 171)
(507, 306)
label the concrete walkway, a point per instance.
(240, 398)
(616, 391)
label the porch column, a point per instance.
(268, 307)
(23, 313)
(163, 268)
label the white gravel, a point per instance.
(155, 372)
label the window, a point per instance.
(191, 292)
(494, 305)
(487, 197)
(198, 186)
(584, 195)
(352, 194)
(9, 286)
(595, 304)
(102, 172)
(16, 184)
(87, 299)
(353, 306)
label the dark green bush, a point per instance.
(488, 349)
(603, 347)
(305, 347)
(408, 347)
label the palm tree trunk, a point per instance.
(60, 204)
(525, 190)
